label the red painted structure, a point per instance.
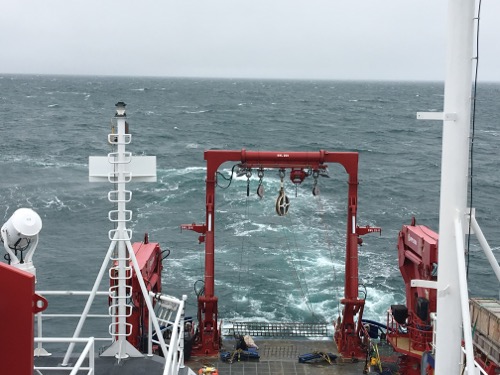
(409, 326)
(18, 305)
(347, 332)
(417, 258)
(148, 256)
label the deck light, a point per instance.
(120, 109)
(20, 234)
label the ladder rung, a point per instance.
(113, 291)
(127, 325)
(113, 139)
(115, 315)
(113, 216)
(111, 235)
(114, 177)
(113, 157)
(128, 273)
(119, 259)
(113, 196)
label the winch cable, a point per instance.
(288, 248)
(304, 289)
(242, 247)
(242, 253)
(321, 211)
(473, 128)
(230, 180)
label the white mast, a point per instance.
(451, 313)
(120, 168)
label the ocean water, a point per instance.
(267, 267)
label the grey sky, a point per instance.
(331, 39)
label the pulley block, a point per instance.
(282, 203)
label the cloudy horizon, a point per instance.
(388, 40)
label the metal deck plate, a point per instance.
(277, 357)
(280, 357)
(107, 365)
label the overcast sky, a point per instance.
(309, 39)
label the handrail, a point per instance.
(174, 358)
(70, 293)
(486, 247)
(476, 365)
(171, 318)
(89, 351)
(418, 339)
(464, 295)
(39, 350)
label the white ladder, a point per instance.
(120, 272)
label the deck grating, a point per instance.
(280, 357)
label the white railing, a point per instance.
(169, 314)
(39, 350)
(88, 352)
(168, 307)
(478, 370)
(464, 296)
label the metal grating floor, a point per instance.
(280, 357)
(277, 357)
(270, 330)
(287, 368)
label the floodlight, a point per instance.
(120, 109)
(20, 234)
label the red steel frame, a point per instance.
(347, 335)
(19, 305)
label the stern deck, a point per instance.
(280, 357)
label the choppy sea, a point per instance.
(267, 267)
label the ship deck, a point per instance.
(277, 357)
(103, 365)
(280, 357)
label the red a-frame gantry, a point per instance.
(347, 332)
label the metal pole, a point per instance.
(454, 171)
(150, 329)
(486, 247)
(464, 298)
(121, 230)
(86, 310)
(144, 291)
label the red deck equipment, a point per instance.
(417, 258)
(148, 256)
(19, 305)
(347, 334)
